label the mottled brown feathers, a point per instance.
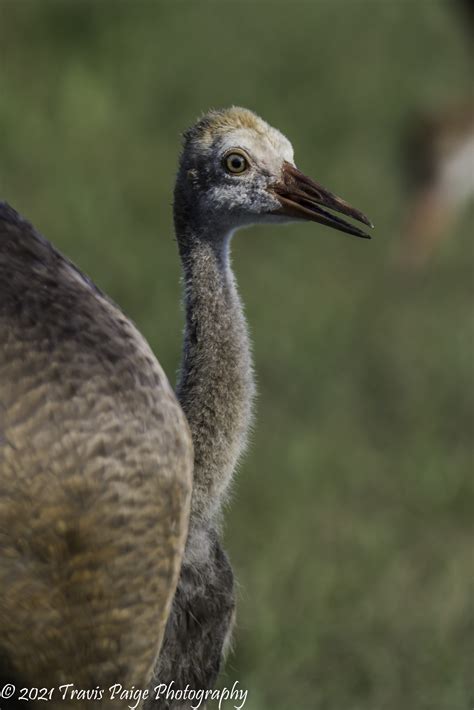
(95, 476)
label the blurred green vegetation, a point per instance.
(351, 527)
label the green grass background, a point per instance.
(351, 525)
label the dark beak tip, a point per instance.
(304, 198)
(360, 233)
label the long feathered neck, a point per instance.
(216, 385)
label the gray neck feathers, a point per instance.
(216, 385)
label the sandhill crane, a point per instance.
(439, 151)
(95, 451)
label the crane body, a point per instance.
(112, 486)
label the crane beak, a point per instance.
(303, 198)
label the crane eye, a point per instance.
(236, 163)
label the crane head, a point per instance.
(237, 170)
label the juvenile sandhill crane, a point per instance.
(95, 451)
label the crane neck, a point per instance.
(216, 385)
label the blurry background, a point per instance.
(351, 527)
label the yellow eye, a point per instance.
(236, 163)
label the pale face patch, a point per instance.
(227, 201)
(266, 151)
